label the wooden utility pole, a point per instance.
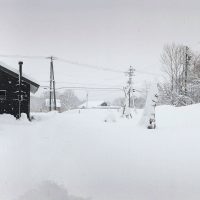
(52, 89)
(20, 90)
(128, 91)
(187, 58)
(130, 84)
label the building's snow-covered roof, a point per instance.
(34, 85)
(58, 103)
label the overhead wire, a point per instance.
(78, 64)
(93, 88)
(94, 67)
(86, 84)
(89, 66)
(145, 72)
(86, 88)
(22, 56)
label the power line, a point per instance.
(93, 88)
(66, 61)
(84, 84)
(89, 66)
(22, 56)
(95, 67)
(86, 88)
(145, 72)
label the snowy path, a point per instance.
(106, 161)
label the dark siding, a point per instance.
(11, 104)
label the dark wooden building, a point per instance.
(15, 97)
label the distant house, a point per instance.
(10, 100)
(105, 104)
(97, 104)
(92, 104)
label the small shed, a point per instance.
(11, 100)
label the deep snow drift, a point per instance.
(113, 160)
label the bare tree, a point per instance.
(68, 100)
(174, 63)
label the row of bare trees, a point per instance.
(181, 67)
(68, 100)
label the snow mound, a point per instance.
(44, 116)
(10, 119)
(186, 117)
(110, 117)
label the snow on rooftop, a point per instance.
(17, 72)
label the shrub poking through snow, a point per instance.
(148, 118)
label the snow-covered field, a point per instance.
(113, 160)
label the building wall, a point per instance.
(10, 104)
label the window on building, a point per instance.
(2, 94)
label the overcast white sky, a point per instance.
(108, 33)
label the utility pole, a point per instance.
(128, 91)
(52, 89)
(130, 84)
(20, 90)
(187, 58)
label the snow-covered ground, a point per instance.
(112, 160)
